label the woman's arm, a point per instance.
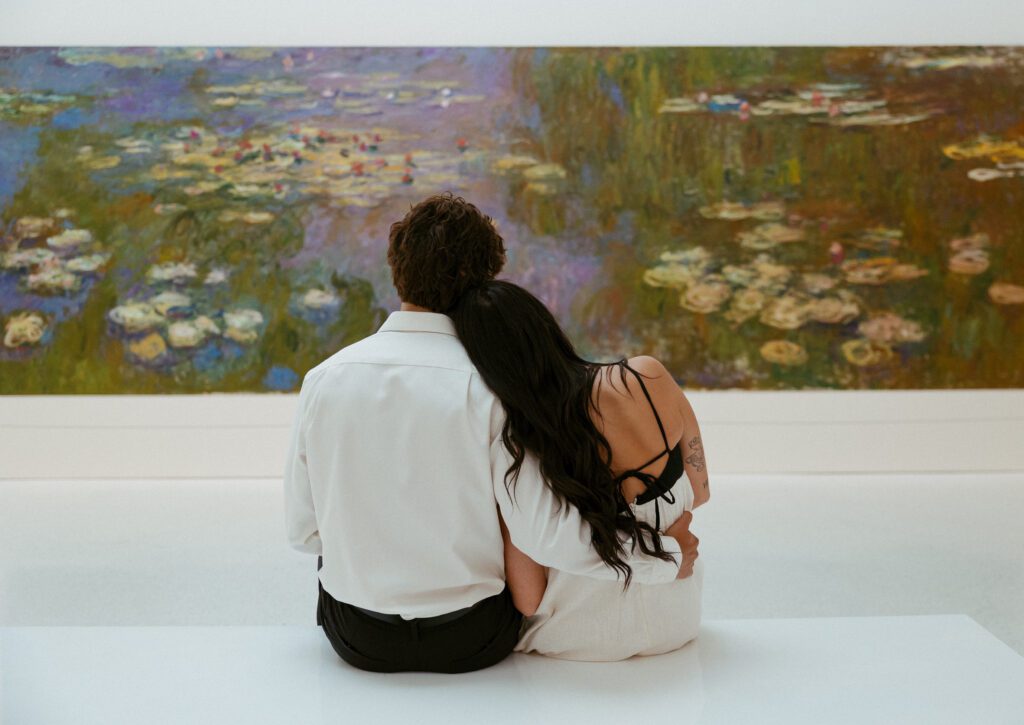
(555, 535)
(526, 579)
(693, 453)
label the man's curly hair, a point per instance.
(441, 248)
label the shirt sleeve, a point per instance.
(555, 535)
(299, 514)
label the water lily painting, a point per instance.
(181, 220)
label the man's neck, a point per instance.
(409, 307)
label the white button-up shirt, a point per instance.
(396, 471)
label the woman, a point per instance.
(613, 440)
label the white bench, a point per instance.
(934, 669)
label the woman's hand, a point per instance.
(680, 531)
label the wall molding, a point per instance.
(246, 435)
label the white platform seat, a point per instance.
(934, 669)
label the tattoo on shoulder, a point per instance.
(696, 459)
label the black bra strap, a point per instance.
(654, 410)
(634, 471)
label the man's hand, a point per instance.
(680, 531)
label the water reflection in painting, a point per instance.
(187, 220)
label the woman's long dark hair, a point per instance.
(547, 391)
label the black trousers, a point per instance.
(483, 636)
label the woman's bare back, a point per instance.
(626, 420)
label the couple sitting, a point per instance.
(473, 487)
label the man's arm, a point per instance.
(300, 518)
(556, 536)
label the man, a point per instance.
(396, 465)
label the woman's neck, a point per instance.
(410, 307)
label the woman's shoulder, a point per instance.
(619, 386)
(650, 367)
(656, 377)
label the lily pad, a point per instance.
(25, 258)
(52, 278)
(70, 238)
(171, 272)
(1004, 293)
(148, 349)
(135, 316)
(783, 352)
(866, 353)
(24, 328)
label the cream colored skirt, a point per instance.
(595, 620)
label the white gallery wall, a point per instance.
(513, 22)
(745, 432)
(246, 436)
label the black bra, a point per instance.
(660, 486)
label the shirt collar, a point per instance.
(400, 321)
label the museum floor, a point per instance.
(938, 670)
(808, 584)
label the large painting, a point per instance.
(179, 220)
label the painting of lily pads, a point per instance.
(181, 220)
